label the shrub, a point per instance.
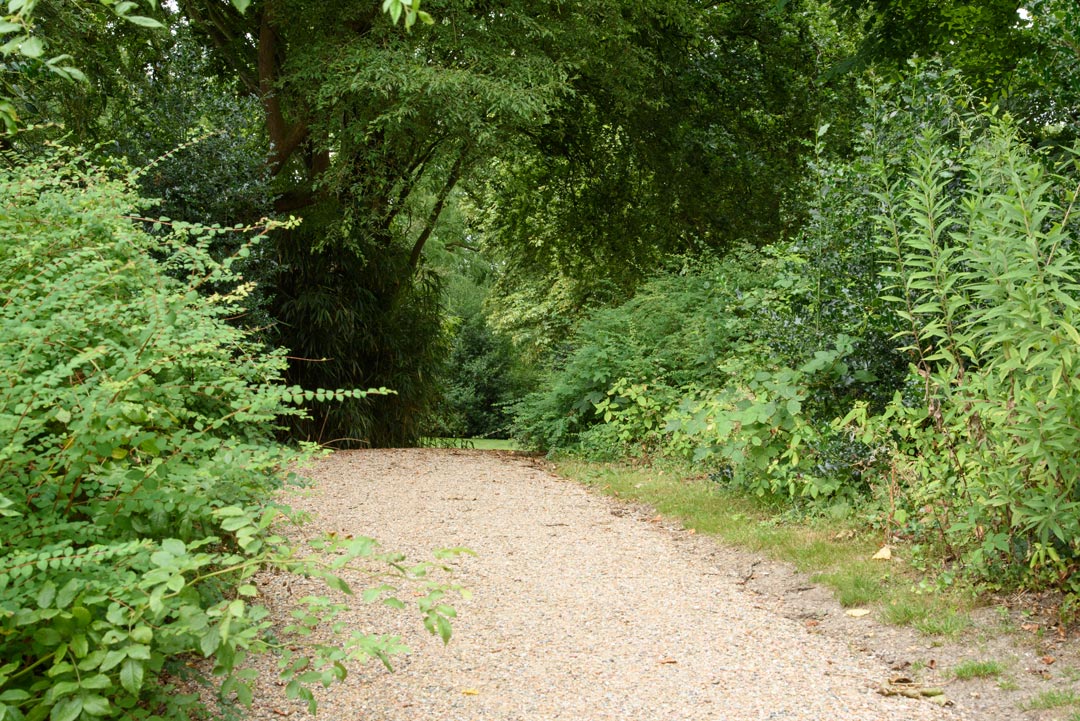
(671, 335)
(136, 464)
(979, 237)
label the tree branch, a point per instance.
(451, 181)
(285, 139)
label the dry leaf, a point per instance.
(667, 660)
(470, 692)
(691, 531)
(1047, 660)
(857, 612)
(884, 554)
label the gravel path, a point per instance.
(582, 609)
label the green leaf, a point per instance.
(67, 710)
(94, 705)
(31, 47)
(131, 676)
(174, 546)
(210, 641)
(46, 594)
(142, 634)
(66, 596)
(113, 659)
(143, 21)
(444, 629)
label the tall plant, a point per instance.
(979, 237)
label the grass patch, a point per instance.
(833, 550)
(855, 585)
(933, 614)
(1052, 699)
(977, 669)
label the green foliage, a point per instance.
(763, 428)
(354, 315)
(631, 358)
(631, 170)
(137, 466)
(483, 376)
(979, 239)
(977, 669)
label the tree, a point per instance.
(370, 130)
(686, 133)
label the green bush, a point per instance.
(136, 465)
(981, 242)
(671, 335)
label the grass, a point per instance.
(1052, 699)
(855, 585)
(925, 612)
(835, 551)
(977, 669)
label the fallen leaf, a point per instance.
(470, 692)
(884, 554)
(656, 519)
(691, 531)
(856, 612)
(811, 623)
(1047, 660)
(667, 660)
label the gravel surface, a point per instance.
(583, 609)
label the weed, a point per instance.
(977, 669)
(927, 614)
(854, 585)
(1052, 699)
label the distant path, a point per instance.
(583, 610)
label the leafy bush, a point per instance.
(353, 312)
(136, 464)
(672, 334)
(981, 244)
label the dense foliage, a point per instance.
(137, 464)
(911, 351)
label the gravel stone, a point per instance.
(582, 609)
